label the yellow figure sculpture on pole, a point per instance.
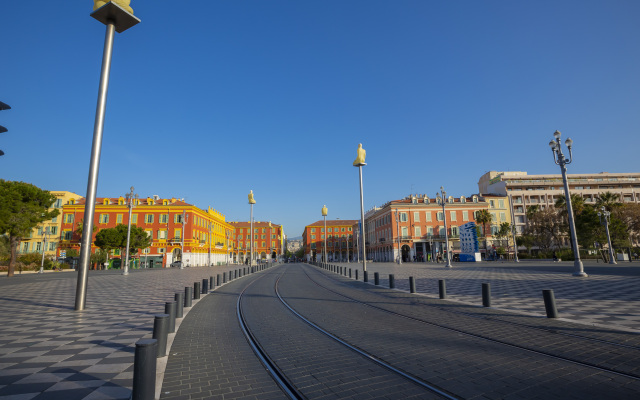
(362, 153)
(122, 3)
(251, 199)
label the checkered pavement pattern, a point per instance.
(49, 351)
(607, 297)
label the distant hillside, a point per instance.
(295, 238)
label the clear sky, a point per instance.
(211, 99)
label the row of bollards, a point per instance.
(149, 350)
(547, 294)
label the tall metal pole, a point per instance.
(604, 220)
(44, 249)
(364, 250)
(324, 258)
(184, 232)
(130, 196)
(562, 161)
(251, 243)
(446, 234)
(513, 229)
(92, 184)
(398, 233)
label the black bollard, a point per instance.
(188, 296)
(349, 272)
(392, 281)
(550, 303)
(376, 278)
(205, 286)
(144, 370)
(212, 282)
(365, 276)
(486, 295)
(412, 284)
(356, 274)
(224, 277)
(179, 297)
(170, 310)
(160, 332)
(218, 280)
(196, 290)
(442, 286)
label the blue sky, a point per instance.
(211, 99)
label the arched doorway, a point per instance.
(177, 254)
(263, 256)
(405, 253)
(274, 255)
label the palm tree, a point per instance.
(484, 217)
(608, 200)
(577, 203)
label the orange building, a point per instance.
(340, 240)
(414, 226)
(171, 223)
(268, 241)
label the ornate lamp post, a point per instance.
(44, 248)
(359, 162)
(513, 229)
(562, 161)
(131, 203)
(325, 211)
(443, 200)
(182, 235)
(605, 218)
(252, 201)
(399, 258)
(117, 19)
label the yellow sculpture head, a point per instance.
(325, 211)
(122, 3)
(251, 199)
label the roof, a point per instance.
(256, 224)
(334, 222)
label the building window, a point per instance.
(58, 203)
(492, 204)
(429, 231)
(54, 219)
(264, 244)
(149, 233)
(342, 230)
(418, 232)
(164, 218)
(104, 218)
(503, 217)
(239, 237)
(162, 250)
(441, 233)
(404, 231)
(313, 230)
(313, 237)
(416, 216)
(68, 235)
(263, 236)
(321, 236)
(440, 216)
(54, 230)
(403, 217)
(162, 234)
(465, 215)
(428, 216)
(119, 218)
(52, 246)
(68, 219)
(148, 218)
(501, 203)
(177, 233)
(38, 247)
(452, 215)
(25, 247)
(177, 218)
(273, 244)
(454, 230)
(134, 218)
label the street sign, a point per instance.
(63, 253)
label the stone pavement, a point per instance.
(49, 351)
(609, 296)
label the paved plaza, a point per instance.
(610, 296)
(49, 351)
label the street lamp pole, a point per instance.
(44, 248)
(605, 217)
(210, 239)
(443, 200)
(184, 232)
(116, 19)
(360, 162)
(325, 211)
(399, 258)
(130, 197)
(562, 161)
(252, 201)
(513, 229)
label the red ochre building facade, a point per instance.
(206, 234)
(340, 240)
(268, 242)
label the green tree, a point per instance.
(116, 238)
(542, 228)
(608, 200)
(484, 217)
(23, 206)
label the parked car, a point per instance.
(176, 264)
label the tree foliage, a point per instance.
(116, 238)
(22, 207)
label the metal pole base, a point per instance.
(579, 269)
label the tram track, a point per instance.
(286, 384)
(629, 375)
